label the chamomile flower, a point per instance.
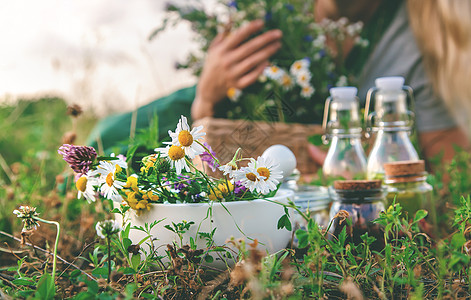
(176, 155)
(110, 185)
(107, 228)
(319, 42)
(85, 187)
(286, 81)
(273, 72)
(299, 65)
(249, 178)
(26, 214)
(261, 175)
(233, 94)
(307, 91)
(303, 77)
(186, 138)
(228, 169)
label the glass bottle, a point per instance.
(405, 182)
(392, 122)
(361, 201)
(342, 126)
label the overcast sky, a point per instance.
(93, 52)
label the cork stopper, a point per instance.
(357, 185)
(404, 168)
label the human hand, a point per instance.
(233, 61)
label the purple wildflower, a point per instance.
(308, 38)
(79, 158)
(290, 7)
(209, 158)
(322, 53)
(233, 4)
(239, 188)
(183, 183)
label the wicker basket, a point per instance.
(253, 137)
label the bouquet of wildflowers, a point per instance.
(169, 175)
(294, 87)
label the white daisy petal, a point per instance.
(187, 138)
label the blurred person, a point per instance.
(443, 32)
(442, 29)
(236, 61)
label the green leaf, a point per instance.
(284, 222)
(129, 290)
(103, 272)
(303, 238)
(143, 240)
(458, 240)
(126, 243)
(104, 296)
(316, 140)
(21, 281)
(135, 261)
(125, 232)
(46, 287)
(106, 158)
(419, 215)
(208, 259)
(25, 294)
(127, 271)
(92, 286)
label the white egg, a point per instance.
(282, 155)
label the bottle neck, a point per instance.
(401, 137)
(337, 138)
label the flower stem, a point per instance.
(109, 258)
(208, 151)
(55, 246)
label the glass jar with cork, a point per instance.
(361, 201)
(406, 184)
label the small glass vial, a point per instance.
(315, 201)
(346, 158)
(405, 182)
(361, 201)
(392, 122)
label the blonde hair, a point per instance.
(443, 32)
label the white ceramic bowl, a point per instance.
(256, 219)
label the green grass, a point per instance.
(31, 131)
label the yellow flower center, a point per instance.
(81, 184)
(176, 152)
(286, 81)
(274, 69)
(297, 66)
(185, 138)
(262, 171)
(109, 179)
(251, 177)
(231, 92)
